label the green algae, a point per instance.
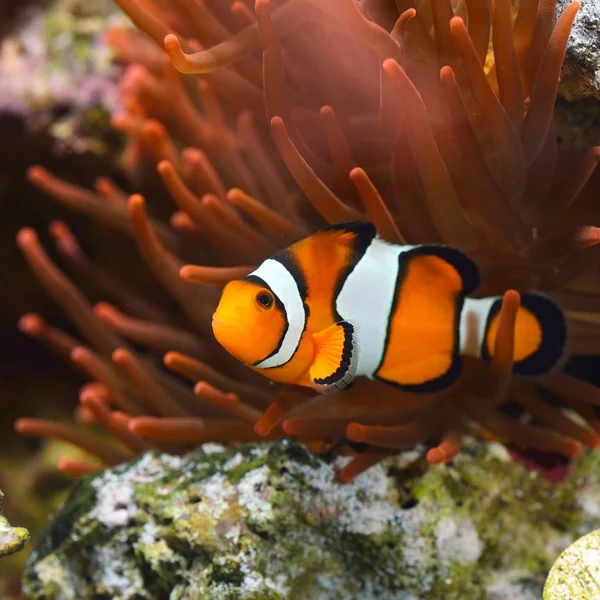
(267, 522)
(79, 502)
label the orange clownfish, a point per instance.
(344, 303)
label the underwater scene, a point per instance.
(300, 300)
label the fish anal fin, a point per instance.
(336, 358)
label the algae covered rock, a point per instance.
(577, 111)
(268, 522)
(12, 539)
(580, 75)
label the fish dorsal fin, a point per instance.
(353, 233)
(335, 246)
(336, 358)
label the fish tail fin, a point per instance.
(540, 332)
(551, 323)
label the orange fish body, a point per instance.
(344, 303)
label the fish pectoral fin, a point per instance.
(336, 358)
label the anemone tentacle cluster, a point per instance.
(432, 119)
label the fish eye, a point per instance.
(264, 299)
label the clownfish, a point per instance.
(344, 303)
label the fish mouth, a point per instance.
(227, 333)
(227, 319)
(224, 324)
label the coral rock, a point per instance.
(578, 110)
(12, 539)
(268, 521)
(581, 69)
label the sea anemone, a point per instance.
(432, 119)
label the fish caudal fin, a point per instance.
(540, 332)
(546, 350)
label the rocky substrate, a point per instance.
(268, 522)
(12, 539)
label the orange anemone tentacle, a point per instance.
(361, 463)
(100, 370)
(66, 294)
(375, 207)
(54, 339)
(321, 197)
(196, 370)
(511, 162)
(90, 443)
(506, 62)
(191, 430)
(403, 436)
(82, 200)
(227, 402)
(444, 206)
(283, 230)
(217, 276)
(152, 390)
(543, 95)
(155, 336)
(276, 412)
(235, 47)
(479, 27)
(500, 369)
(166, 267)
(76, 468)
(102, 414)
(446, 450)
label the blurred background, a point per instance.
(58, 88)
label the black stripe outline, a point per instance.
(365, 233)
(286, 258)
(493, 312)
(469, 273)
(260, 282)
(465, 267)
(554, 335)
(288, 261)
(345, 359)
